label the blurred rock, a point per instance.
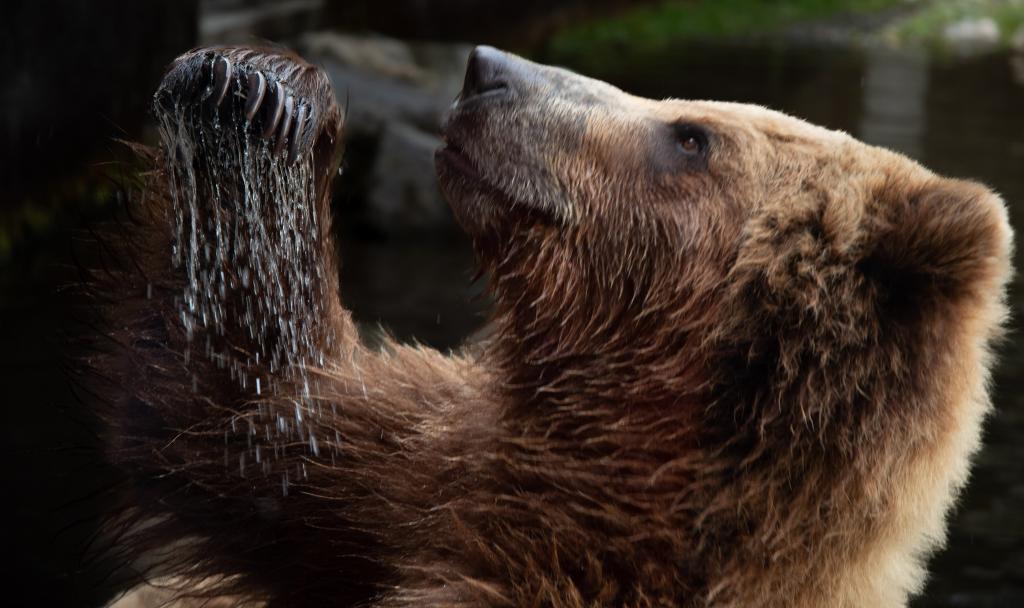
(382, 80)
(372, 101)
(382, 56)
(246, 21)
(971, 35)
(404, 195)
(395, 95)
(1017, 40)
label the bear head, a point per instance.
(786, 330)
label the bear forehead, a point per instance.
(747, 141)
(726, 117)
(757, 146)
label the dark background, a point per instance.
(79, 75)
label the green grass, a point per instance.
(652, 28)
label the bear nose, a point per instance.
(487, 72)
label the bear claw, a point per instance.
(286, 123)
(277, 112)
(300, 122)
(256, 89)
(221, 80)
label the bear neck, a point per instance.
(592, 328)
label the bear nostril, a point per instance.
(486, 73)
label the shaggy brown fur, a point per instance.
(745, 371)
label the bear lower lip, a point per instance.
(458, 161)
(457, 170)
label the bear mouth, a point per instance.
(481, 205)
(461, 175)
(458, 161)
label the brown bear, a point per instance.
(737, 359)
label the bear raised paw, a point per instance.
(737, 359)
(286, 99)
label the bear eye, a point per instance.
(690, 140)
(690, 144)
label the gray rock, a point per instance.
(372, 101)
(382, 80)
(404, 195)
(395, 95)
(231, 21)
(384, 57)
(971, 35)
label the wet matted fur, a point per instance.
(738, 360)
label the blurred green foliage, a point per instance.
(57, 209)
(925, 27)
(651, 29)
(614, 42)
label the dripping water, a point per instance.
(247, 240)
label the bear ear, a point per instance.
(940, 240)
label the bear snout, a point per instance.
(488, 73)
